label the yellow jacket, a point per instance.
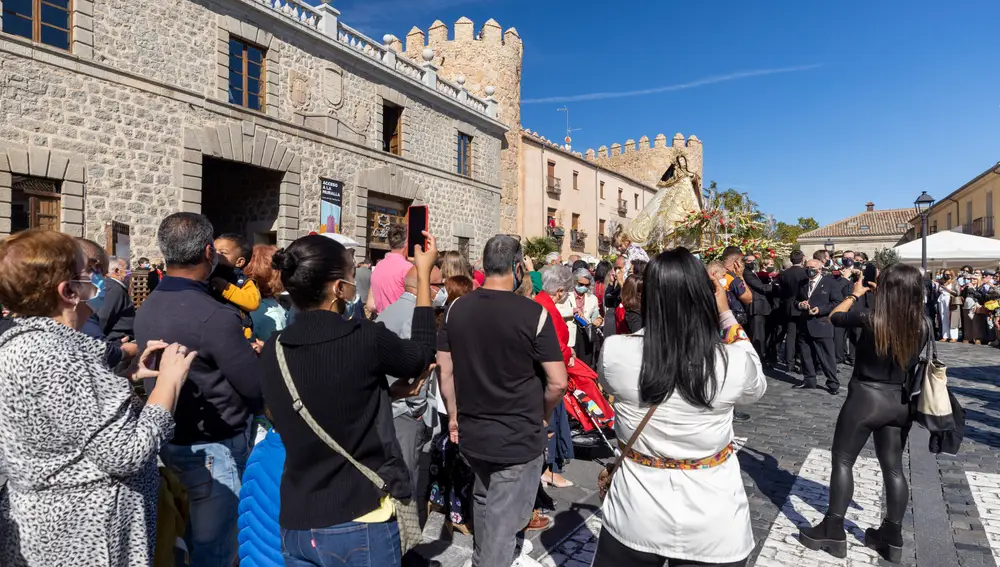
(246, 298)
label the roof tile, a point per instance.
(880, 223)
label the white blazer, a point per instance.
(697, 515)
(591, 310)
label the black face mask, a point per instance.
(812, 272)
(752, 266)
(848, 262)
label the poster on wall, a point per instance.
(331, 203)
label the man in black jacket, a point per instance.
(211, 440)
(817, 297)
(760, 307)
(116, 312)
(790, 281)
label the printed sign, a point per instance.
(331, 205)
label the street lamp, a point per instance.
(923, 206)
(829, 245)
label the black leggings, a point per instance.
(613, 553)
(879, 409)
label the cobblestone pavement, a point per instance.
(954, 513)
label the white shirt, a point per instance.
(697, 515)
(813, 283)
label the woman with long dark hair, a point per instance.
(678, 495)
(893, 333)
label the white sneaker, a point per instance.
(525, 561)
(527, 547)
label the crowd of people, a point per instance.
(270, 406)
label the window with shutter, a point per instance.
(35, 203)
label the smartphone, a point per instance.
(417, 221)
(871, 273)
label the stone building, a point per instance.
(270, 116)
(491, 57)
(864, 232)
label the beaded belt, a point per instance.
(681, 464)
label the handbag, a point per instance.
(410, 534)
(606, 475)
(934, 409)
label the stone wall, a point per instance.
(140, 117)
(648, 164)
(490, 58)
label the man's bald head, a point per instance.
(410, 283)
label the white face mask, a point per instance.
(441, 298)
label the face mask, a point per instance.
(848, 262)
(752, 266)
(517, 280)
(812, 272)
(722, 282)
(351, 307)
(98, 281)
(85, 289)
(582, 289)
(441, 298)
(215, 260)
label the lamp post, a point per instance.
(923, 206)
(830, 246)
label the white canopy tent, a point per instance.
(952, 249)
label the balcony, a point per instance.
(983, 226)
(552, 185)
(556, 233)
(622, 207)
(577, 238)
(604, 244)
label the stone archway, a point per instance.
(247, 143)
(388, 180)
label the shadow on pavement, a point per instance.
(777, 483)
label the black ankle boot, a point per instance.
(887, 540)
(828, 536)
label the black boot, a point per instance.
(828, 536)
(887, 540)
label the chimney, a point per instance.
(869, 206)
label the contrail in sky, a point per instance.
(669, 88)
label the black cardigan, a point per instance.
(339, 368)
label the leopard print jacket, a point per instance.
(79, 449)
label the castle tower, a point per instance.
(489, 58)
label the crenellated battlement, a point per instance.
(437, 36)
(660, 141)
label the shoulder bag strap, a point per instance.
(635, 436)
(303, 412)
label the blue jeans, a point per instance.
(352, 544)
(211, 473)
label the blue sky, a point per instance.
(812, 108)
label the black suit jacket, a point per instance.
(790, 281)
(828, 294)
(761, 303)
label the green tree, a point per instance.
(536, 248)
(790, 232)
(885, 257)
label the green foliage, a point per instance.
(538, 247)
(790, 232)
(885, 257)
